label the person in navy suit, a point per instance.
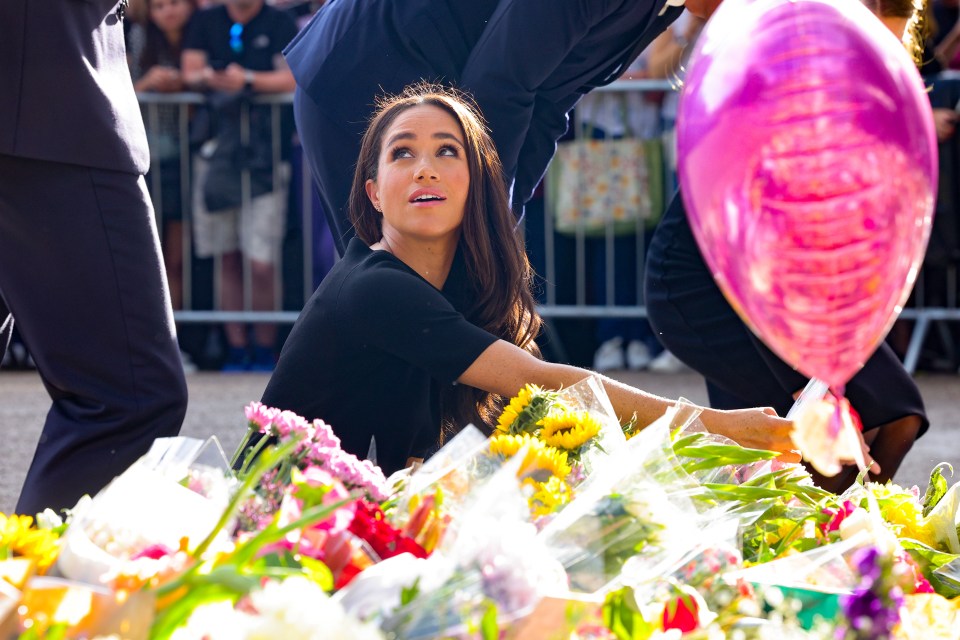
(80, 266)
(526, 63)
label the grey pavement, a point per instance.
(217, 401)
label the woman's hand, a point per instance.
(162, 79)
(754, 429)
(945, 121)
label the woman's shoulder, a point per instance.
(364, 271)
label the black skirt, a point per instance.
(693, 319)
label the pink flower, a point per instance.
(154, 552)
(837, 516)
(261, 416)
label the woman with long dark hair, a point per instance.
(428, 322)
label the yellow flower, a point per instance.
(547, 496)
(569, 430)
(18, 538)
(540, 460)
(517, 404)
(904, 514)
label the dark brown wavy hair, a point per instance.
(915, 13)
(499, 273)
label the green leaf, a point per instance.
(743, 493)
(176, 615)
(488, 623)
(936, 488)
(409, 594)
(622, 617)
(934, 558)
(318, 572)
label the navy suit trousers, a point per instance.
(81, 272)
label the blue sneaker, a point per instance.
(237, 361)
(263, 360)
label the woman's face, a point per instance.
(170, 15)
(423, 175)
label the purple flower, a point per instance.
(873, 610)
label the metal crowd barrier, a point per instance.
(550, 306)
(184, 102)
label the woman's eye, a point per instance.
(400, 152)
(448, 150)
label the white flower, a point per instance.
(48, 519)
(213, 621)
(298, 608)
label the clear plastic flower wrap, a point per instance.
(491, 569)
(443, 481)
(637, 505)
(589, 397)
(172, 496)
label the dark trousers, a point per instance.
(330, 150)
(695, 322)
(81, 272)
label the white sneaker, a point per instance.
(187, 363)
(666, 362)
(609, 356)
(638, 356)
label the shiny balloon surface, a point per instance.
(808, 166)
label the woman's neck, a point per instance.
(432, 260)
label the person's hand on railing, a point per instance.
(161, 79)
(231, 80)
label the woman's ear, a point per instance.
(371, 187)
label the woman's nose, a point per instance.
(426, 172)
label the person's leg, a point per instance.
(262, 229)
(890, 406)
(263, 276)
(173, 260)
(231, 297)
(80, 269)
(217, 235)
(693, 320)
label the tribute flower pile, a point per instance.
(563, 524)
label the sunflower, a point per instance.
(547, 496)
(569, 430)
(18, 538)
(540, 461)
(526, 409)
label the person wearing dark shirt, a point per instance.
(80, 265)
(526, 62)
(234, 51)
(428, 321)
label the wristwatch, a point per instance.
(248, 80)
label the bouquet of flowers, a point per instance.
(487, 571)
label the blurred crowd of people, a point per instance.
(225, 256)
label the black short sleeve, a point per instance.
(395, 310)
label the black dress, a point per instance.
(695, 322)
(372, 351)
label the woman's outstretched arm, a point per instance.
(504, 368)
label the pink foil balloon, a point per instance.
(808, 166)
